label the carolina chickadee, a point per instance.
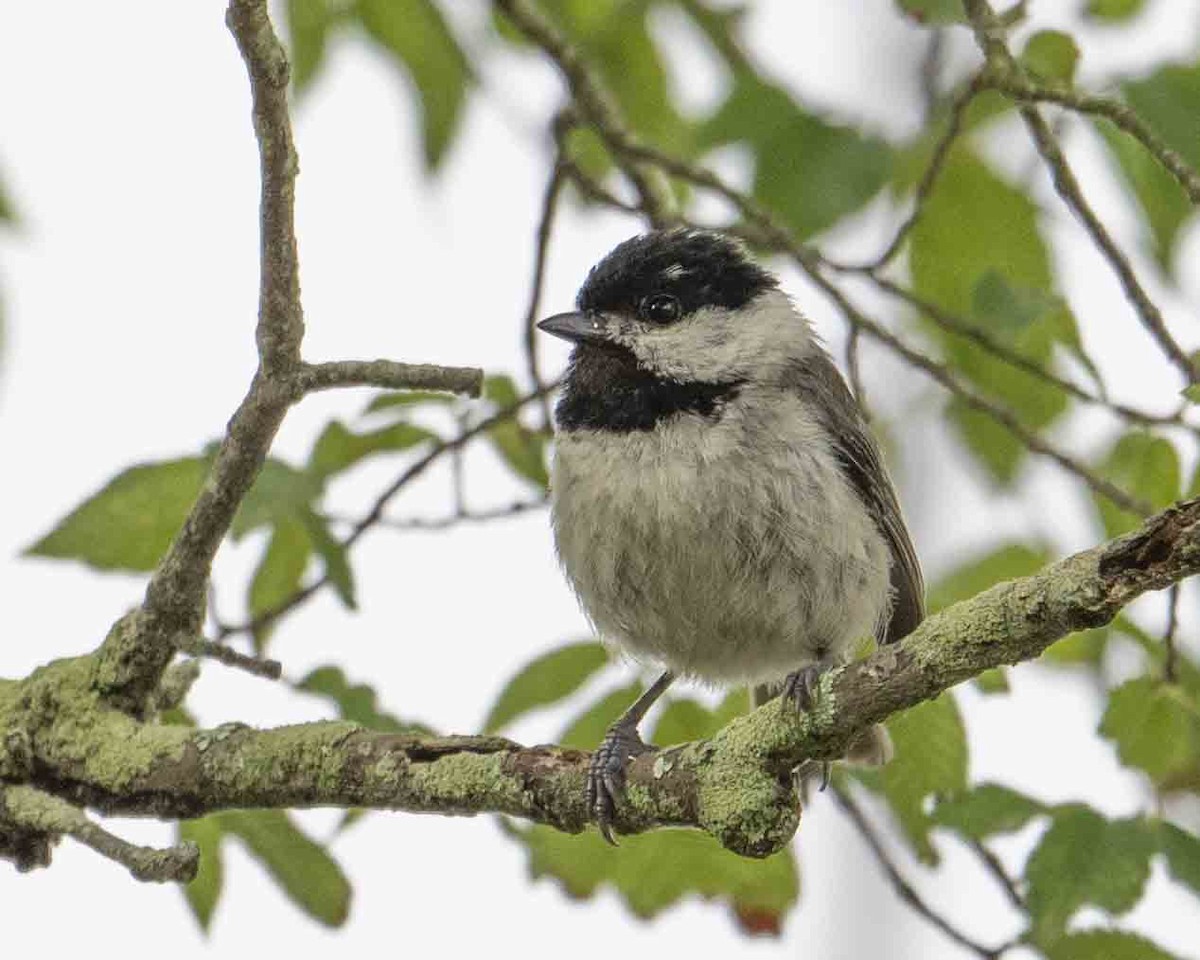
(718, 502)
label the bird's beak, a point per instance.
(578, 327)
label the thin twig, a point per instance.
(937, 162)
(458, 518)
(903, 888)
(989, 34)
(541, 249)
(389, 375)
(594, 103)
(993, 865)
(1170, 654)
(258, 666)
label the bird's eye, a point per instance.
(660, 308)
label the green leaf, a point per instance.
(651, 872)
(999, 279)
(1155, 727)
(335, 557)
(1106, 945)
(204, 890)
(931, 760)
(356, 702)
(545, 680)
(1114, 10)
(280, 492)
(932, 12)
(523, 450)
(129, 524)
(810, 171)
(407, 398)
(1085, 648)
(1085, 859)
(303, 868)
(279, 573)
(338, 448)
(1051, 56)
(1003, 563)
(416, 34)
(588, 729)
(985, 810)
(992, 681)
(1182, 850)
(1145, 466)
(308, 23)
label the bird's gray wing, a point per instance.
(817, 379)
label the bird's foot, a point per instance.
(801, 687)
(800, 693)
(606, 774)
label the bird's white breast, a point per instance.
(731, 550)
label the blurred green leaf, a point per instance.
(128, 524)
(545, 680)
(338, 448)
(334, 556)
(930, 761)
(523, 450)
(685, 719)
(651, 872)
(280, 492)
(1114, 10)
(303, 868)
(1155, 726)
(279, 573)
(1145, 466)
(588, 729)
(407, 398)
(932, 12)
(1106, 945)
(356, 702)
(809, 171)
(1006, 562)
(308, 22)
(1003, 271)
(1085, 859)
(1182, 851)
(204, 891)
(1084, 648)
(1051, 56)
(992, 681)
(420, 40)
(985, 810)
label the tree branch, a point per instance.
(736, 785)
(389, 375)
(27, 808)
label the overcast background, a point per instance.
(130, 290)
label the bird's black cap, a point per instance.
(699, 267)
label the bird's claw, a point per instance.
(606, 775)
(801, 687)
(800, 693)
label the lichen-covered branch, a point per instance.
(57, 735)
(389, 375)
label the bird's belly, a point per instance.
(713, 569)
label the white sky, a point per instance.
(130, 294)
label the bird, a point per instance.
(718, 502)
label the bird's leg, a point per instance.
(606, 774)
(800, 694)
